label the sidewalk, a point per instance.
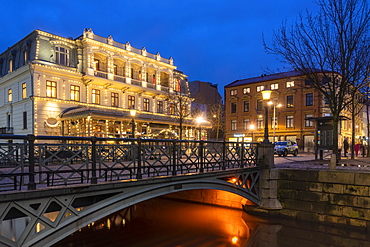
(307, 161)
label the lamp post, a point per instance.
(266, 95)
(251, 128)
(274, 116)
(133, 114)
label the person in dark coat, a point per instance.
(345, 146)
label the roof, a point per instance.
(265, 77)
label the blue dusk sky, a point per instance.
(217, 41)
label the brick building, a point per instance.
(293, 100)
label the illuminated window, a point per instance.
(289, 101)
(114, 99)
(75, 93)
(260, 88)
(95, 96)
(246, 90)
(309, 99)
(309, 123)
(259, 123)
(145, 104)
(290, 84)
(246, 106)
(10, 95)
(289, 121)
(24, 90)
(245, 124)
(171, 109)
(233, 92)
(159, 106)
(274, 122)
(51, 89)
(274, 86)
(233, 107)
(233, 125)
(183, 110)
(131, 102)
(177, 85)
(96, 64)
(62, 55)
(115, 69)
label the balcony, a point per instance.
(136, 82)
(150, 85)
(165, 89)
(6, 130)
(101, 74)
(119, 78)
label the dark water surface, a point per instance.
(168, 223)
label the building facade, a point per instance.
(208, 104)
(87, 86)
(293, 102)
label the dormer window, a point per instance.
(62, 55)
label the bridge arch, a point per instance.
(122, 195)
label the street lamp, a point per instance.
(251, 128)
(274, 116)
(133, 114)
(266, 95)
(199, 121)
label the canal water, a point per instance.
(165, 222)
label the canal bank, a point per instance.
(328, 196)
(311, 191)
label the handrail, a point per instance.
(65, 156)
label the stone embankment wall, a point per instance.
(214, 197)
(327, 196)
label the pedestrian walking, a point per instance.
(345, 146)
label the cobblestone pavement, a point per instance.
(307, 161)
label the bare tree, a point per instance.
(331, 49)
(217, 118)
(179, 104)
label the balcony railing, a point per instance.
(135, 82)
(132, 49)
(165, 89)
(101, 74)
(6, 130)
(150, 85)
(119, 78)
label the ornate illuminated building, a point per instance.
(50, 85)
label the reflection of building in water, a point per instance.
(87, 86)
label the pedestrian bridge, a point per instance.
(52, 186)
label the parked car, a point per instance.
(283, 148)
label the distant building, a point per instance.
(208, 104)
(87, 86)
(293, 100)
